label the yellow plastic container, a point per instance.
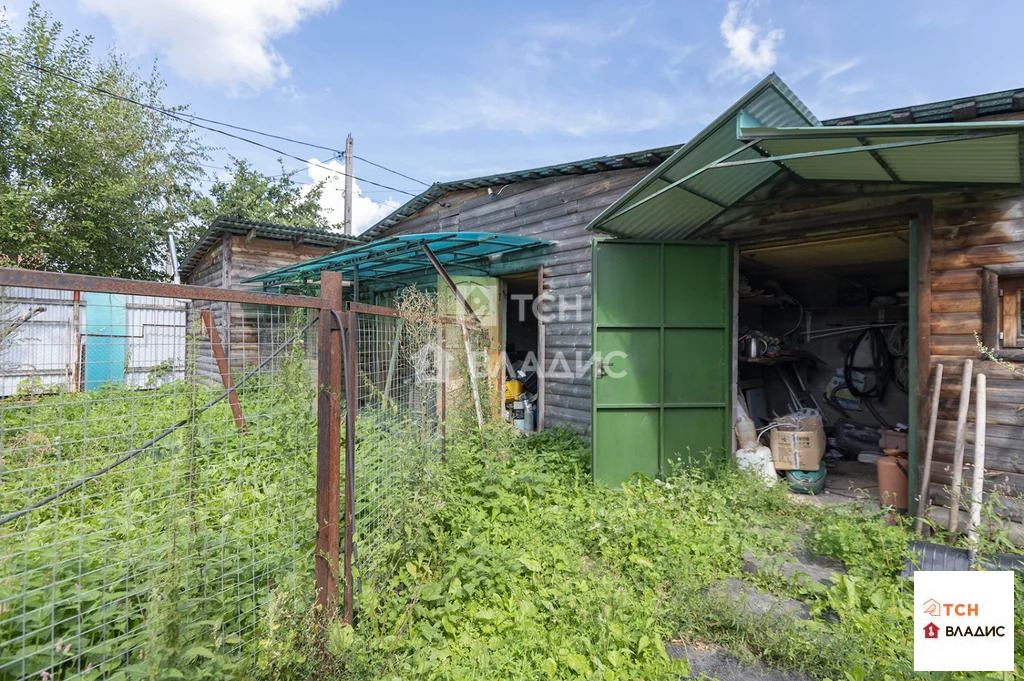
(513, 389)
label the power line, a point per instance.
(365, 160)
(192, 121)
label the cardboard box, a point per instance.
(799, 450)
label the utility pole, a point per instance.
(348, 184)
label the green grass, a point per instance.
(505, 563)
(521, 568)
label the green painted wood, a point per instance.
(662, 317)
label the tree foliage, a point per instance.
(88, 183)
(251, 195)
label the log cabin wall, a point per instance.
(971, 232)
(971, 229)
(557, 210)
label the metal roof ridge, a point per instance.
(771, 81)
(438, 189)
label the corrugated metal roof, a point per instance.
(402, 256)
(990, 104)
(600, 164)
(769, 131)
(678, 198)
(961, 153)
(226, 224)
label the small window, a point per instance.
(1002, 306)
(1010, 291)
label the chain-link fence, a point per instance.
(410, 381)
(144, 503)
(170, 463)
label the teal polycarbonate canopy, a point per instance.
(770, 132)
(404, 256)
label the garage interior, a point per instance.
(815, 317)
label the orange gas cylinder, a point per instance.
(892, 481)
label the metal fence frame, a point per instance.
(338, 378)
(335, 329)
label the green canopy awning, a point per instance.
(770, 132)
(403, 257)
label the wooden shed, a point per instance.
(553, 203)
(232, 250)
(778, 262)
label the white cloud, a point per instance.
(225, 43)
(365, 211)
(834, 70)
(528, 109)
(752, 47)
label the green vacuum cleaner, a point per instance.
(807, 482)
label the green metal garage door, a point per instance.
(662, 349)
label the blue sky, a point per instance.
(449, 90)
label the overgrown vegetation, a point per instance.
(506, 562)
(163, 566)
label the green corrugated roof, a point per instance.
(762, 135)
(402, 257)
(677, 199)
(947, 110)
(960, 153)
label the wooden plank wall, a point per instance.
(969, 233)
(253, 326)
(230, 262)
(209, 271)
(557, 210)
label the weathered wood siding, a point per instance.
(557, 210)
(242, 327)
(969, 233)
(255, 329)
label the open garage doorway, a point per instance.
(822, 327)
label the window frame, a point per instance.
(1001, 288)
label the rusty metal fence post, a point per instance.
(351, 408)
(328, 449)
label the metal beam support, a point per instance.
(450, 284)
(699, 195)
(681, 180)
(131, 287)
(881, 161)
(851, 150)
